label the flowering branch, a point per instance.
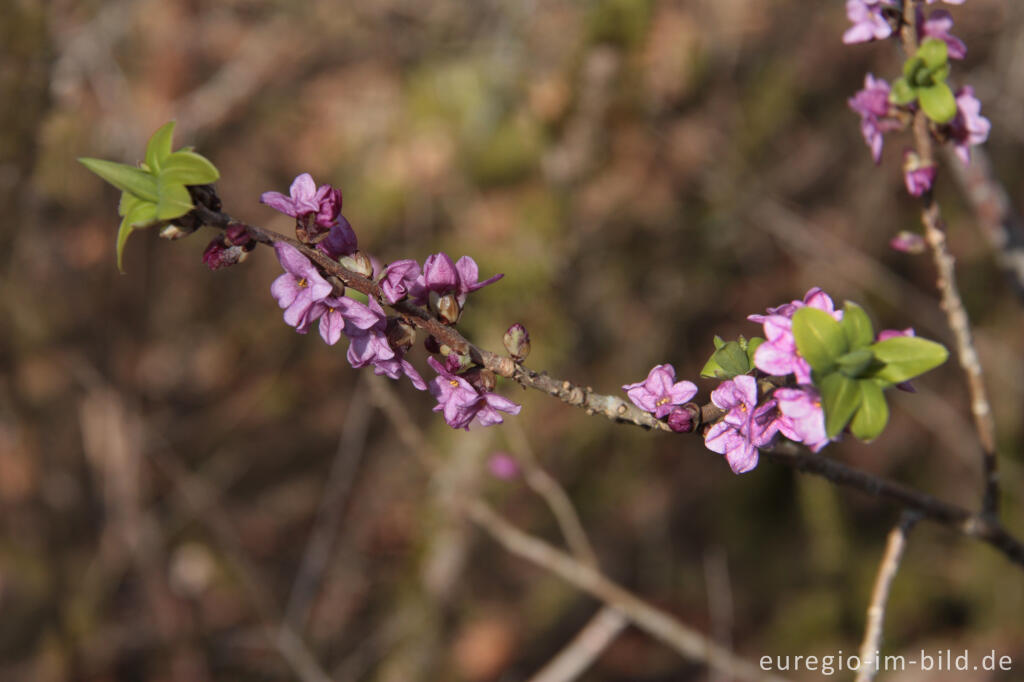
(583, 397)
(952, 303)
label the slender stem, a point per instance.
(660, 625)
(985, 527)
(887, 570)
(588, 644)
(952, 303)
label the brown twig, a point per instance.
(887, 570)
(952, 304)
(984, 527)
(660, 625)
(686, 641)
(980, 526)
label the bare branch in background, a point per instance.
(887, 570)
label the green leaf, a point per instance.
(912, 66)
(873, 413)
(938, 102)
(819, 338)
(188, 168)
(902, 92)
(159, 147)
(752, 347)
(139, 214)
(933, 52)
(733, 359)
(174, 200)
(840, 398)
(904, 357)
(856, 326)
(125, 178)
(854, 363)
(718, 341)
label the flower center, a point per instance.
(663, 401)
(454, 383)
(303, 283)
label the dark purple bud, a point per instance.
(219, 255)
(340, 241)
(432, 345)
(401, 335)
(448, 309)
(237, 234)
(517, 342)
(680, 420)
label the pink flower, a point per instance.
(659, 392)
(745, 427)
(461, 402)
(803, 420)
(872, 103)
(868, 21)
(778, 355)
(299, 288)
(306, 199)
(399, 279)
(969, 128)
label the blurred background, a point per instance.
(181, 473)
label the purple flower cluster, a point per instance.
(439, 276)
(374, 339)
(800, 417)
(461, 402)
(746, 425)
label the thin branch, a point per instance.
(979, 526)
(887, 570)
(351, 446)
(583, 397)
(585, 648)
(984, 527)
(688, 642)
(1000, 223)
(552, 492)
(952, 304)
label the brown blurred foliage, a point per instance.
(645, 173)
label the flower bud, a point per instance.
(456, 362)
(219, 255)
(448, 309)
(432, 345)
(907, 242)
(237, 234)
(482, 380)
(358, 263)
(401, 335)
(680, 420)
(174, 232)
(517, 342)
(917, 175)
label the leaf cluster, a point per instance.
(157, 190)
(851, 369)
(924, 81)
